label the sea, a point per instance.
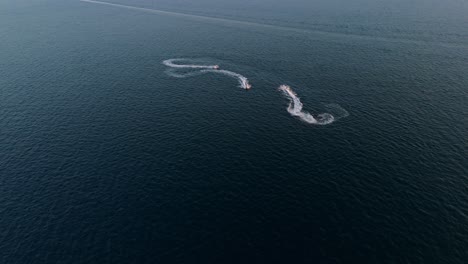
(128, 133)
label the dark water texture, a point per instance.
(106, 159)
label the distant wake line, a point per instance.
(198, 17)
(243, 81)
(286, 28)
(295, 109)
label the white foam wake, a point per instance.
(243, 81)
(171, 63)
(295, 109)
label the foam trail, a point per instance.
(295, 109)
(243, 81)
(170, 63)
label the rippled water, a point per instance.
(105, 158)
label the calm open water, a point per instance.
(105, 158)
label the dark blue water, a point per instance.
(104, 158)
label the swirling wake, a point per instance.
(295, 109)
(243, 81)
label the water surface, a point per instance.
(105, 158)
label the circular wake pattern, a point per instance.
(202, 69)
(295, 109)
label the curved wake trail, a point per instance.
(170, 63)
(243, 81)
(295, 109)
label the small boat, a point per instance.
(216, 67)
